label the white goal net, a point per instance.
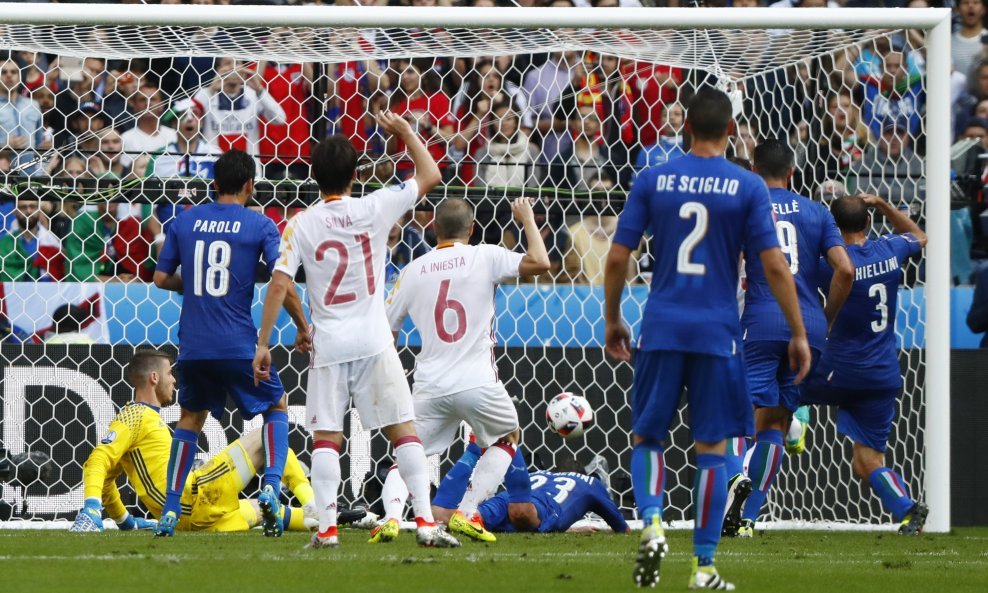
(115, 128)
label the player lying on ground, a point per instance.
(341, 243)
(806, 233)
(859, 369)
(137, 444)
(449, 294)
(702, 210)
(539, 501)
(218, 246)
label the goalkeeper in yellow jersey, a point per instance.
(138, 443)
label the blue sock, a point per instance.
(734, 459)
(516, 481)
(710, 501)
(455, 482)
(275, 437)
(766, 459)
(183, 454)
(648, 477)
(287, 517)
(892, 490)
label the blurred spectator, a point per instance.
(542, 86)
(108, 160)
(35, 70)
(285, 147)
(428, 110)
(590, 240)
(352, 88)
(100, 247)
(30, 252)
(233, 104)
(121, 88)
(890, 168)
(969, 39)
(506, 160)
(148, 135)
(670, 140)
(405, 243)
(744, 140)
(82, 125)
(977, 92)
(586, 158)
(652, 88)
(68, 322)
(21, 126)
(977, 128)
(828, 191)
(190, 155)
(977, 316)
(841, 142)
(895, 94)
(554, 234)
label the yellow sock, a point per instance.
(297, 521)
(295, 479)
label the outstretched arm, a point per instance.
(427, 174)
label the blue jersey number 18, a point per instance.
(216, 261)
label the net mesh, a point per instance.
(117, 128)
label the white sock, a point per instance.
(487, 476)
(394, 494)
(414, 470)
(325, 477)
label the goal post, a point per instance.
(687, 38)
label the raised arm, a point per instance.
(840, 283)
(780, 280)
(900, 221)
(427, 174)
(536, 260)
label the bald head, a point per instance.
(453, 220)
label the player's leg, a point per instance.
(868, 422)
(719, 407)
(268, 399)
(494, 420)
(197, 395)
(774, 395)
(382, 397)
(293, 476)
(326, 403)
(454, 484)
(655, 394)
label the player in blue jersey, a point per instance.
(806, 231)
(701, 209)
(218, 246)
(546, 502)
(859, 369)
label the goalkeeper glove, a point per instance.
(90, 517)
(129, 522)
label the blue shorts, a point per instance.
(771, 382)
(864, 415)
(205, 384)
(716, 391)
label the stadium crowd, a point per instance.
(576, 122)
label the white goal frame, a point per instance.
(935, 21)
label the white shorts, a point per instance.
(488, 410)
(377, 385)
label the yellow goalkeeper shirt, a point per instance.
(137, 443)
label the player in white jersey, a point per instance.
(449, 294)
(341, 242)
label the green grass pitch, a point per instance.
(785, 561)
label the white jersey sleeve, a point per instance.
(394, 201)
(289, 254)
(503, 262)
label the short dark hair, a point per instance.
(232, 171)
(773, 159)
(143, 364)
(453, 218)
(708, 113)
(850, 213)
(334, 162)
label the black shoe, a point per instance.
(915, 520)
(738, 490)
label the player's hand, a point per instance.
(90, 517)
(872, 201)
(800, 359)
(522, 210)
(617, 341)
(262, 364)
(130, 523)
(394, 124)
(303, 341)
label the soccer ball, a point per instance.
(569, 415)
